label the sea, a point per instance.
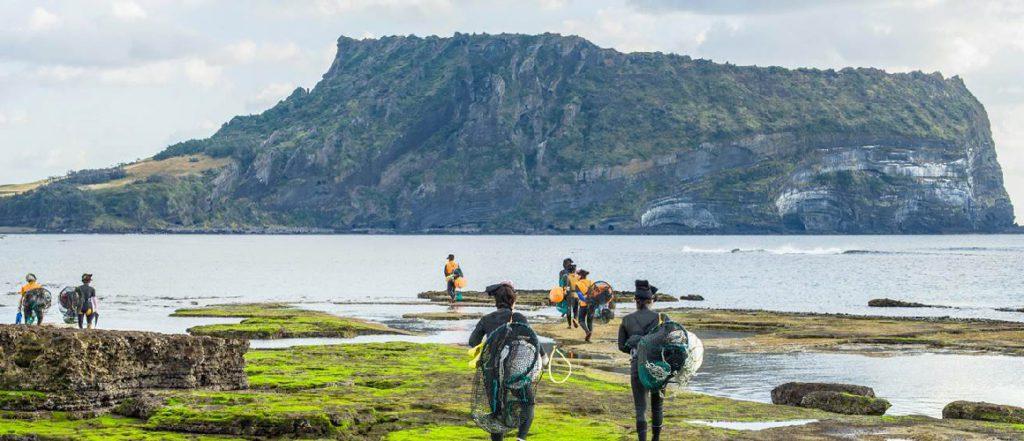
(141, 279)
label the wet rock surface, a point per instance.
(792, 394)
(46, 368)
(845, 403)
(981, 411)
(891, 303)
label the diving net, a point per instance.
(508, 369)
(602, 295)
(69, 303)
(668, 354)
(37, 301)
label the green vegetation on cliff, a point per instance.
(538, 132)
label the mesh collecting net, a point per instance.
(508, 369)
(669, 353)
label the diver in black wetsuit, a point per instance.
(634, 327)
(86, 307)
(505, 299)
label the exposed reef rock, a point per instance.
(551, 133)
(792, 394)
(997, 413)
(47, 368)
(890, 303)
(845, 403)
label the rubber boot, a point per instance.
(641, 430)
(655, 433)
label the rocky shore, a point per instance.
(406, 391)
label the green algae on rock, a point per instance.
(279, 320)
(406, 391)
(443, 316)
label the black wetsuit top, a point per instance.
(85, 295)
(634, 327)
(492, 321)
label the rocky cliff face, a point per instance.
(68, 369)
(518, 133)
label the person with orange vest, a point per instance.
(585, 314)
(451, 272)
(30, 311)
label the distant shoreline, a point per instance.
(384, 232)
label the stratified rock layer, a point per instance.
(70, 369)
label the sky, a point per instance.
(93, 83)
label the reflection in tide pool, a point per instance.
(914, 384)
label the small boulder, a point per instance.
(792, 394)
(141, 407)
(890, 303)
(844, 403)
(693, 298)
(971, 410)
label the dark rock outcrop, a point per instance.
(792, 394)
(890, 303)
(845, 403)
(970, 410)
(68, 369)
(538, 133)
(693, 298)
(1010, 309)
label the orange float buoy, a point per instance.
(460, 282)
(556, 295)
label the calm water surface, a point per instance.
(142, 279)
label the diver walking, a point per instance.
(451, 272)
(510, 361)
(585, 309)
(633, 328)
(86, 309)
(568, 281)
(30, 302)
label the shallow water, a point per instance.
(914, 384)
(142, 279)
(823, 274)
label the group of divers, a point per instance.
(78, 303)
(509, 358)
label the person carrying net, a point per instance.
(509, 363)
(661, 352)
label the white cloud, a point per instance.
(248, 51)
(164, 72)
(42, 19)
(128, 10)
(12, 118)
(200, 72)
(339, 7)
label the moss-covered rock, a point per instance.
(278, 320)
(845, 403)
(980, 411)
